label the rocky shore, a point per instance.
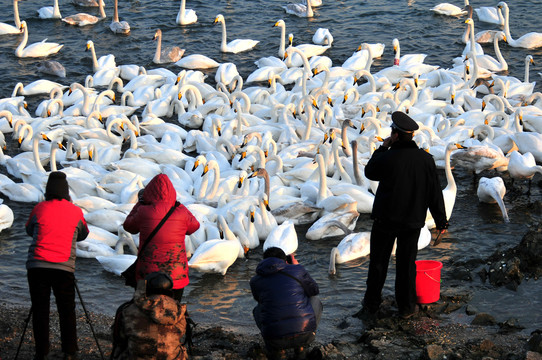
(447, 329)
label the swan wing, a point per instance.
(197, 61)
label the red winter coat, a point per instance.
(166, 251)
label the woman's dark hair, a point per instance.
(274, 252)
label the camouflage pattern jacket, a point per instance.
(150, 327)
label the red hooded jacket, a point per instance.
(166, 250)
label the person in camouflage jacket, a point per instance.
(151, 326)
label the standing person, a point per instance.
(288, 310)
(152, 325)
(408, 186)
(55, 225)
(166, 252)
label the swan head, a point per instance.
(23, 25)
(280, 23)
(395, 44)
(90, 45)
(157, 34)
(219, 19)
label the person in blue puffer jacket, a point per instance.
(288, 309)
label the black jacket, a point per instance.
(285, 306)
(408, 185)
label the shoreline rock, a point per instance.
(432, 333)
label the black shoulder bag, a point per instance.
(129, 274)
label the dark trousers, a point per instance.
(383, 237)
(40, 283)
(178, 294)
(295, 341)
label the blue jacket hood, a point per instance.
(270, 266)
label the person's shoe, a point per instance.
(70, 356)
(365, 314)
(409, 315)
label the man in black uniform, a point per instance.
(408, 186)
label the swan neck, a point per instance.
(52, 157)
(36, 153)
(158, 48)
(472, 40)
(16, 17)
(20, 48)
(323, 180)
(223, 44)
(95, 65)
(507, 24)
(448, 170)
(115, 11)
(333, 257)
(282, 40)
(101, 6)
(500, 58)
(526, 77)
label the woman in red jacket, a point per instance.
(55, 225)
(166, 250)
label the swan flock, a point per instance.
(253, 161)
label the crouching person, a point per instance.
(288, 309)
(153, 324)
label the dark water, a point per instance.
(476, 231)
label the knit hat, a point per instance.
(57, 186)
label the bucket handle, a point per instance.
(430, 277)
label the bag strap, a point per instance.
(151, 235)
(296, 279)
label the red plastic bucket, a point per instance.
(427, 281)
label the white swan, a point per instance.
(301, 10)
(118, 27)
(38, 87)
(490, 14)
(215, 255)
(104, 62)
(21, 192)
(234, 46)
(523, 166)
(6, 216)
(491, 191)
(226, 72)
(50, 12)
(10, 29)
(166, 55)
(353, 246)
(107, 219)
(530, 40)
(197, 61)
(450, 191)
(38, 49)
(449, 9)
(186, 16)
(326, 226)
(322, 36)
(52, 67)
(84, 19)
(284, 237)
